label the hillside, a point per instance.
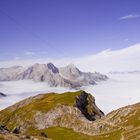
(71, 116)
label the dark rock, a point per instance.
(2, 94)
(3, 130)
(53, 68)
(16, 130)
(1, 127)
(86, 104)
(43, 135)
(28, 137)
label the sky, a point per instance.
(123, 60)
(37, 29)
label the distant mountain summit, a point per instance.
(70, 72)
(69, 76)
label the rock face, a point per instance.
(68, 76)
(7, 135)
(86, 104)
(65, 115)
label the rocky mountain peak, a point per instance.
(37, 65)
(53, 68)
(70, 72)
(72, 68)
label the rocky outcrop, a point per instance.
(5, 134)
(3, 130)
(2, 94)
(61, 115)
(68, 76)
(86, 104)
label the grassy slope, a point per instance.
(129, 127)
(60, 133)
(9, 116)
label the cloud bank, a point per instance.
(127, 59)
(120, 90)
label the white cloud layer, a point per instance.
(131, 16)
(120, 90)
(127, 59)
(19, 90)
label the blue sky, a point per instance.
(66, 28)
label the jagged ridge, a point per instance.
(68, 76)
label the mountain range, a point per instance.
(69, 76)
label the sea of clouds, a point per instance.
(119, 90)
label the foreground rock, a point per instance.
(5, 134)
(68, 76)
(10, 136)
(86, 104)
(71, 116)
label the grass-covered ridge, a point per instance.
(26, 108)
(67, 120)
